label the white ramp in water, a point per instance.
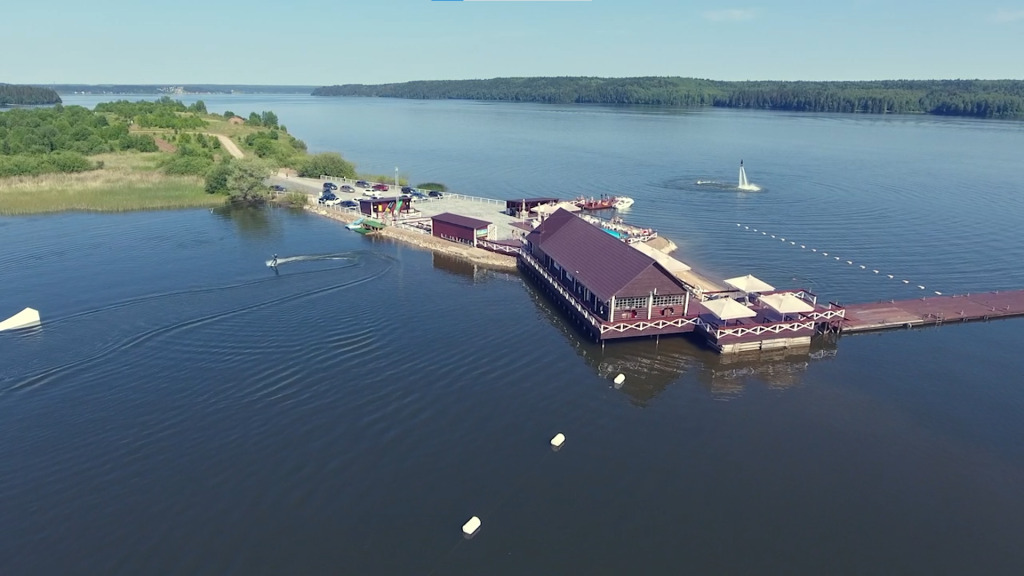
(27, 318)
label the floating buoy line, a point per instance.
(834, 257)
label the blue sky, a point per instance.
(372, 41)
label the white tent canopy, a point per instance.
(728, 309)
(547, 209)
(786, 303)
(749, 284)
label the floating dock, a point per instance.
(933, 311)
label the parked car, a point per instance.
(381, 187)
(372, 194)
(435, 194)
(362, 184)
(330, 186)
(278, 188)
(350, 203)
(347, 188)
(408, 190)
(418, 195)
(328, 198)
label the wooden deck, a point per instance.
(933, 310)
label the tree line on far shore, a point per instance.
(1003, 99)
(20, 95)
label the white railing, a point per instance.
(495, 247)
(758, 329)
(474, 198)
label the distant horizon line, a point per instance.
(316, 85)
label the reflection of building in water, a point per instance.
(651, 365)
(784, 368)
(458, 266)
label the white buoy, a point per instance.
(620, 379)
(558, 440)
(27, 318)
(471, 526)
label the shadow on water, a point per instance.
(652, 364)
(251, 222)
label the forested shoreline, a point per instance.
(19, 95)
(1003, 99)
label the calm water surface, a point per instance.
(186, 410)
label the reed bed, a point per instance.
(127, 182)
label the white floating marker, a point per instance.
(558, 440)
(938, 293)
(620, 379)
(802, 246)
(814, 249)
(863, 267)
(889, 275)
(824, 253)
(773, 235)
(781, 238)
(739, 224)
(471, 526)
(837, 257)
(921, 287)
(875, 271)
(906, 281)
(791, 243)
(849, 261)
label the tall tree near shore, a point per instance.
(246, 181)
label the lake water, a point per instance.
(186, 410)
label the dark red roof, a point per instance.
(464, 221)
(605, 265)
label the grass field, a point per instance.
(128, 181)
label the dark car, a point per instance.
(435, 194)
(349, 203)
(408, 190)
(278, 188)
(362, 184)
(347, 188)
(381, 187)
(330, 186)
(417, 194)
(326, 197)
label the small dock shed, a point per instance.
(456, 228)
(381, 206)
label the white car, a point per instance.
(372, 194)
(333, 201)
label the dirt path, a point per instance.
(228, 145)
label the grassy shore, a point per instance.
(127, 182)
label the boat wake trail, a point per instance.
(309, 258)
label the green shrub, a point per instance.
(187, 165)
(432, 186)
(329, 163)
(217, 178)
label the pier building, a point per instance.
(462, 229)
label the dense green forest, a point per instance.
(18, 95)
(58, 139)
(139, 89)
(976, 98)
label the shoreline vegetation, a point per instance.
(20, 95)
(147, 155)
(999, 99)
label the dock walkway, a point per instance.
(933, 310)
